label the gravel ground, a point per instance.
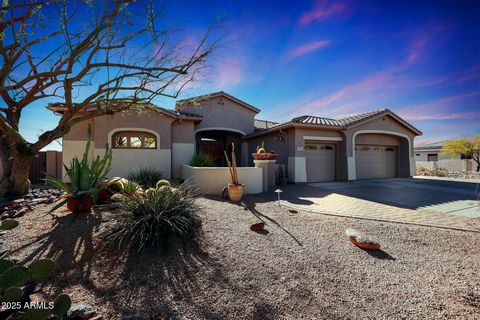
(302, 268)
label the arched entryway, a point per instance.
(381, 154)
(215, 142)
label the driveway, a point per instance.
(453, 197)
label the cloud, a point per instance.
(229, 73)
(439, 109)
(306, 48)
(323, 10)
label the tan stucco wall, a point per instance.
(377, 139)
(213, 180)
(79, 132)
(183, 132)
(222, 113)
(147, 119)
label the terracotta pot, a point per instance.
(257, 226)
(264, 156)
(84, 204)
(235, 191)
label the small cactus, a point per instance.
(42, 268)
(8, 225)
(162, 183)
(17, 283)
(261, 149)
(150, 191)
(118, 197)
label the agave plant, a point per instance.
(85, 177)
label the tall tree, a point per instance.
(113, 55)
(467, 147)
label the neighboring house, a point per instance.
(428, 155)
(370, 145)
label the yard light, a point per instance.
(278, 191)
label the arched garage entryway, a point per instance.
(215, 141)
(381, 155)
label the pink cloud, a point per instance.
(441, 116)
(323, 10)
(229, 73)
(306, 48)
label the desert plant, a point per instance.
(17, 283)
(85, 178)
(202, 160)
(145, 177)
(157, 220)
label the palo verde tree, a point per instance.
(94, 58)
(467, 147)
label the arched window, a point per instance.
(134, 140)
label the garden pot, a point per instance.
(84, 204)
(264, 156)
(235, 191)
(257, 226)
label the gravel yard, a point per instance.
(302, 268)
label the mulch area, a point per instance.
(302, 267)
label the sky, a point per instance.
(420, 59)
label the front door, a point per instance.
(214, 150)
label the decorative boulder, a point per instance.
(361, 240)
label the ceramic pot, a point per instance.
(235, 191)
(83, 204)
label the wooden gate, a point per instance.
(38, 168)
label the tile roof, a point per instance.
(217, 94)
(264, 124)
(316, 120)
(342, 122)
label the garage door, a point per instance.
(320, 158)
(375, 162)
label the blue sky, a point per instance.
(421, 59)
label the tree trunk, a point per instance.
(16, 168)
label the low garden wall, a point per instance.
(212, 180)
(448, 164)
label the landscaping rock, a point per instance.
(81, 311)
(39, 194)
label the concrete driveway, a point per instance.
(457, 198)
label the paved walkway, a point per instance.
(304, 197)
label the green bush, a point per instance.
(202, 160)
(146, 177)
(157, 220)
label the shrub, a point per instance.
(85, 177)
(202, 160)
(158, 220)
(146, 177)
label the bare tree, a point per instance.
(93, 57)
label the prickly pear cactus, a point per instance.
(17, 283)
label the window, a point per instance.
(134, 140)
(432, 157)
(364, 148)
(389, 149)
(377, 149)
(417, 154)
(326, 148)
(310, 147)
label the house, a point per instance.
(429, 155)
(376, 144)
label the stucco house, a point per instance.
(370, 145)
(431, 154)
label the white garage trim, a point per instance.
(297, 169)
(317, 138)
(351, 162)
(111, 133)
(220, 129)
